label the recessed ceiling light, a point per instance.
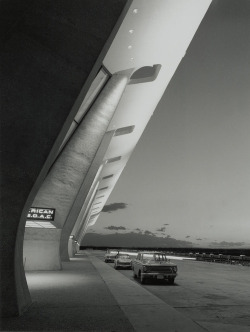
(135, 11)
(131, 31)
(131, 59)
(129, 47)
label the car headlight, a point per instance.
(144, 268)
(174, 268)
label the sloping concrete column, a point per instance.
(60, 188)
(84, 195)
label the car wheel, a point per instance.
(171, 281)
(105, 261)
(115, 267)
(143, 280)
(134, 274)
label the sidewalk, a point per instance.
(88, 295)
(73, 299)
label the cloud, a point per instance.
(166, 224)
(188, 236)
(149, 233)
(138, 230)
(199, 239)
(114, 207)
(116, 228)
(227, 244)
(162, 229)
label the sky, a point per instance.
(188, 178)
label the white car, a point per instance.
(110, 255)
(123, 261)
(154, 265)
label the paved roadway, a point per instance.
(216, 296)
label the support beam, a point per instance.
(84, 195)
(61, 186)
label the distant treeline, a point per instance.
(216, 251)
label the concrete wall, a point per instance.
(40, 250)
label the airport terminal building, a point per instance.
(80, 81)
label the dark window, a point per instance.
(108, 176)
(103, 188)
(124, 130)
(111, 160)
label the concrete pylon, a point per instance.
(62, 184)
(84, 196)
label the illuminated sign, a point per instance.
(37, 213)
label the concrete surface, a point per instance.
(73, 299)
(40, 249)
(90, 295)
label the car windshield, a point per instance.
(155, 257)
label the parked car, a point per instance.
(123, 261)
(156, 265)
(110, 255)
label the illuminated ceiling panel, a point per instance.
(39, 224)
